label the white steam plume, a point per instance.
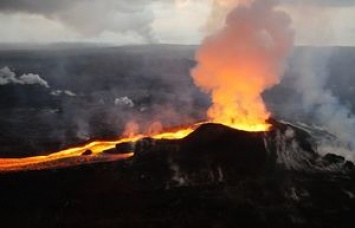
(9, 77)
(319, 101)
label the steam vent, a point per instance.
(215, 177)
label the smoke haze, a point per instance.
(319, 101)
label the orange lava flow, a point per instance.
(74, 156)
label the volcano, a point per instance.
(216, 176)
(214, 152)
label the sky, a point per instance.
(121, 22)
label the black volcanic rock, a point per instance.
(110, 151)
(332, 159)
(214, 152)
(219, 147)
(125, 147)
(215, 177)
(22, 96)
(217, 153)
(87, 152)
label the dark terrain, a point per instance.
(215, 177)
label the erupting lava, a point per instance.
(238, 63)
(74, 156)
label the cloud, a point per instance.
(91, 17)
(332, 3)
(32, 79)
(9, 77)
(63, 92)
(124, 101)
(150, 21)
(36, 6)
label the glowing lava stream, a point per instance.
(74, 156)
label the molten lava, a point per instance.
(74, 156)
(241, 60)
(77, 155)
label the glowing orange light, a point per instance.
(74, 156)
(241, 60)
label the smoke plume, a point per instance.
(318, 101)
(9, 77)
(240, 61)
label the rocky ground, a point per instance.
(215, 177)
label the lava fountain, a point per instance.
(243, 59)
